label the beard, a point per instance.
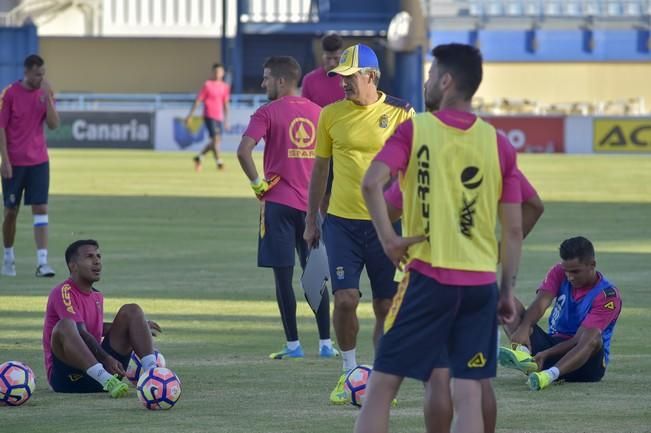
(432, 103)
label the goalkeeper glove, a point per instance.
(261, 186)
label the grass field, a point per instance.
(183, 246)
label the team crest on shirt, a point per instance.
(340, 272)
(384, 121)
(302, 135)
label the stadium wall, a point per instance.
(134, 65)
(566, 82)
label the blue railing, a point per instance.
(603, 9)
(143, 101)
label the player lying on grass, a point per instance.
(532, 209)
(82, 352)
(577, 346)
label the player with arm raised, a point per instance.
(24, 107)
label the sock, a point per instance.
(219, 161)
(554, 373)
(350, 359)
(41, 257)
(293, 345)
(325, 343)
(286, 301)
(521, 348)
(148, 362)
(98, 373)
(9, 254)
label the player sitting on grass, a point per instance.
(77, 360)
(577, 346)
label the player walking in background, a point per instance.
(323, 89)
(24, 106)
(581, 325)
(215, 95)
(351, 132)
(456, 174)
(83, 353)
(288, 126)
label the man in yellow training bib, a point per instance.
(456, 172)
(351, 132)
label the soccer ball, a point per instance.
(134, 369)
(17, 383)
(355, 384)
(159, 388)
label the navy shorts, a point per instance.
(592, 371)
(351, 245)
(68, 379)
(432, 325)
(281, 233)
(214, 127)
(34, 180)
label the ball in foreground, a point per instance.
(17, 383)
(159, 389)
(355, 384)
(134, 369)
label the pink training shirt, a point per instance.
(288, 127)
(22, 113)
(599, 316)
(321, 89)
(66, 301)
(396, 154)
(214, 95)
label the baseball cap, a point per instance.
(355, 58)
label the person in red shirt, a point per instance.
(317, 86)
(24, 106)
(84, 354)
(323, 90)
(214, 94)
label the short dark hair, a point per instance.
(284, 67)
(217, 65)
(332, 42)
(33, 60)
(73, 249)
(577, 248)
(464, 63)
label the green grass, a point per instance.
(183, 246)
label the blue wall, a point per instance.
(553, 45)
(16, 43)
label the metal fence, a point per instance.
(143, 101)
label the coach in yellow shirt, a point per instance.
(351, 132)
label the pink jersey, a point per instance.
(22, 113)
(288, 127)
(396, 154)
(214, 95)
(66, 301)
(603, 311)
(321, 89)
